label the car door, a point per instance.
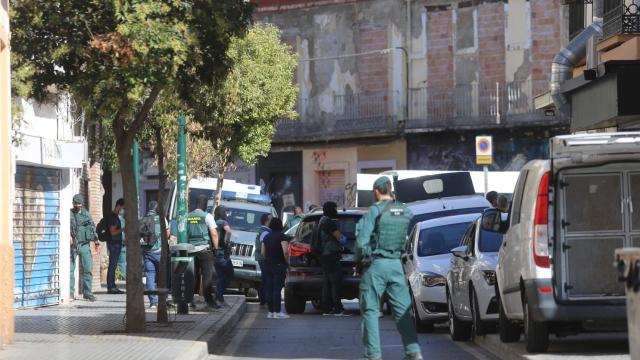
(455, 270)
(466, 268)
(410, 261)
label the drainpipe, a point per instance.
(408, 54)
(569, 56)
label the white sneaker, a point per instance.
(271, 315)
(281, 316)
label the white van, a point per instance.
(569, 214)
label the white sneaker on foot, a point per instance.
(281, 316)
(271, 315)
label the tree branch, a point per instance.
(143, 114)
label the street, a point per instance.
(313, 336)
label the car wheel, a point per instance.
(509, 331)
(421, 326)
(293, 303)
(459, 330)
(317, 304)
(251, 293)
(536, 334)
(480, 327)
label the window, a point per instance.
(489, 241)
(440, 240)
(243, 220)
(306, 231)
(471, 242)
(516, 207)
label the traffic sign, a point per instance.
(484, 150)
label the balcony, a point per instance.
(367, 114)
(621, 17)
(477, 106)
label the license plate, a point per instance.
(237, 263)
(347, 257)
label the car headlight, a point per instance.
(489, 277)
(430, 279)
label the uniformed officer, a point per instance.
(83, 231)
(381, 240)
(201, 232)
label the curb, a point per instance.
(211, 332)
(492, 344)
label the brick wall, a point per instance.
(440, 50)
(491, 50)
(545, 38)
(373, 69)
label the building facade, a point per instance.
(409, 84)
(6, 183)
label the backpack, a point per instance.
(102, 229)
(147, 230)
(317, 243)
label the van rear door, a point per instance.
(594, 177)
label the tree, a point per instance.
(257, 93)
(115, 57)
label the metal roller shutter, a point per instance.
(36, 229)
(332, 186)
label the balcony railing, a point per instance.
(358, 115)
(621, 17)
(476, 105)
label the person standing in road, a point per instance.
(381, 241)
(223, 265)
(201, 233)
(330, 238)
(114, 245)
(274, 249)
(83, 231)
(264, 230)
(150, 233)
(295, 219)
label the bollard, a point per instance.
(628, 263)
(182, 277)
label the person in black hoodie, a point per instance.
(275, 252)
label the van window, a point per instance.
(243, 220)
(516, 207)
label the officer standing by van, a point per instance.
(381, 241)
(202, 234)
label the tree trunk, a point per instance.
(163, 317)
(220, 177)
(135, 316)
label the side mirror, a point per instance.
(492, 221)
(460, 252)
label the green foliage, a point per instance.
(239, 117)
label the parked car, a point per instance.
(471, 296)
(305, 277)
(569, 214)
(426, 264)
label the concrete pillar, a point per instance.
(6, 184)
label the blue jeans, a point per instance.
(262, 295)
(151, 268)
(224, 275)
(114, 255)
(275, 281)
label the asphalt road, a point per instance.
(313, 336)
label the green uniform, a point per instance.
(385, 274)
(83, 232)
(197, 228)
(293, 221)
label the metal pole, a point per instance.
(182, 180)
(497, 103)
(486, 179)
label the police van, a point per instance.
(245, 205)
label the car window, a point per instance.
(516, 207)
(410, 242)
(489, 241)
(243, 219)
(465, 238)
(438, 214)
(440, 239)
(471, 242)
(305, 233)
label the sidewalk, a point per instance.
(85, 330)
